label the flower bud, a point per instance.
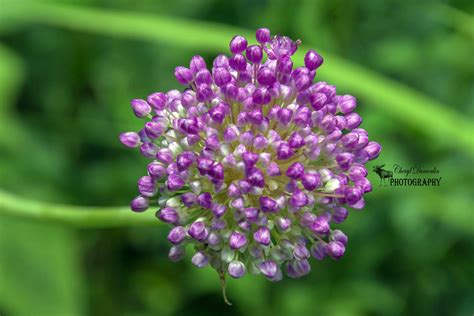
(222, 76)
(312, 60)
(263, 35)
(339, 214)
(270, 270)
(300, 252)
(266, 76)
(236, 269)
(335, 250)
(347, 104)
(139, 204)
(176, 253)
(157, 100)
(238, 44)
(147, 186)
(200, 259)
(319, 250)
(183, 75)
(262, 236)
(197, 63)
(167, 215)
(140, 107)
(254, 54)
(295, 170)
(198, 231)
(237, 240)
(176, 235)
(337, 235)
(130, 139)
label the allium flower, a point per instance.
(253, 162)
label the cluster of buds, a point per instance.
(253, 162)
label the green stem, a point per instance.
(80, 216)
(224, 295)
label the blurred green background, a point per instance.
(67, 72)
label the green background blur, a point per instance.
(67, 72)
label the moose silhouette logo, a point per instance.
(382, 173)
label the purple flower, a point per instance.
(175, 182)
(183, 75)
(255, 162)
(347, 104)
(297, 268)
(238, 44)
(222, 76)
(298, 198)
(139, 204)
(236, 269)
(319, 250)
(283, 223)
(320, 225)
(338, 235)
(205, 200)
(281, 47)
(300, 252)
(267, 204)
(130, 139)
(295, 170)
(251, 214)
(157, 100)
(176, 253)
(153, 129)
(189, 199)
(311, 181)
(140, 107)
(284, 151)
(254, 54)
(176, 235)
(168, 215)
(262, 236)
(270, 270)
(373, 150)
(263, 35)
(312, 60)
(147, 186)
(266, 76)
(339, 214)
(238, 62)
(237, 240)
(335, 249)
(197, 63)
(198, 231)
(200, 259)
(352, 195)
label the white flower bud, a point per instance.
(173, 202)
(224, 149)
(175, 148)
(332, 185)
(227, 254)
(196, 187)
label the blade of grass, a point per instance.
(397, 100)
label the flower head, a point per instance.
(254, 162)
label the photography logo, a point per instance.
(416, 176)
